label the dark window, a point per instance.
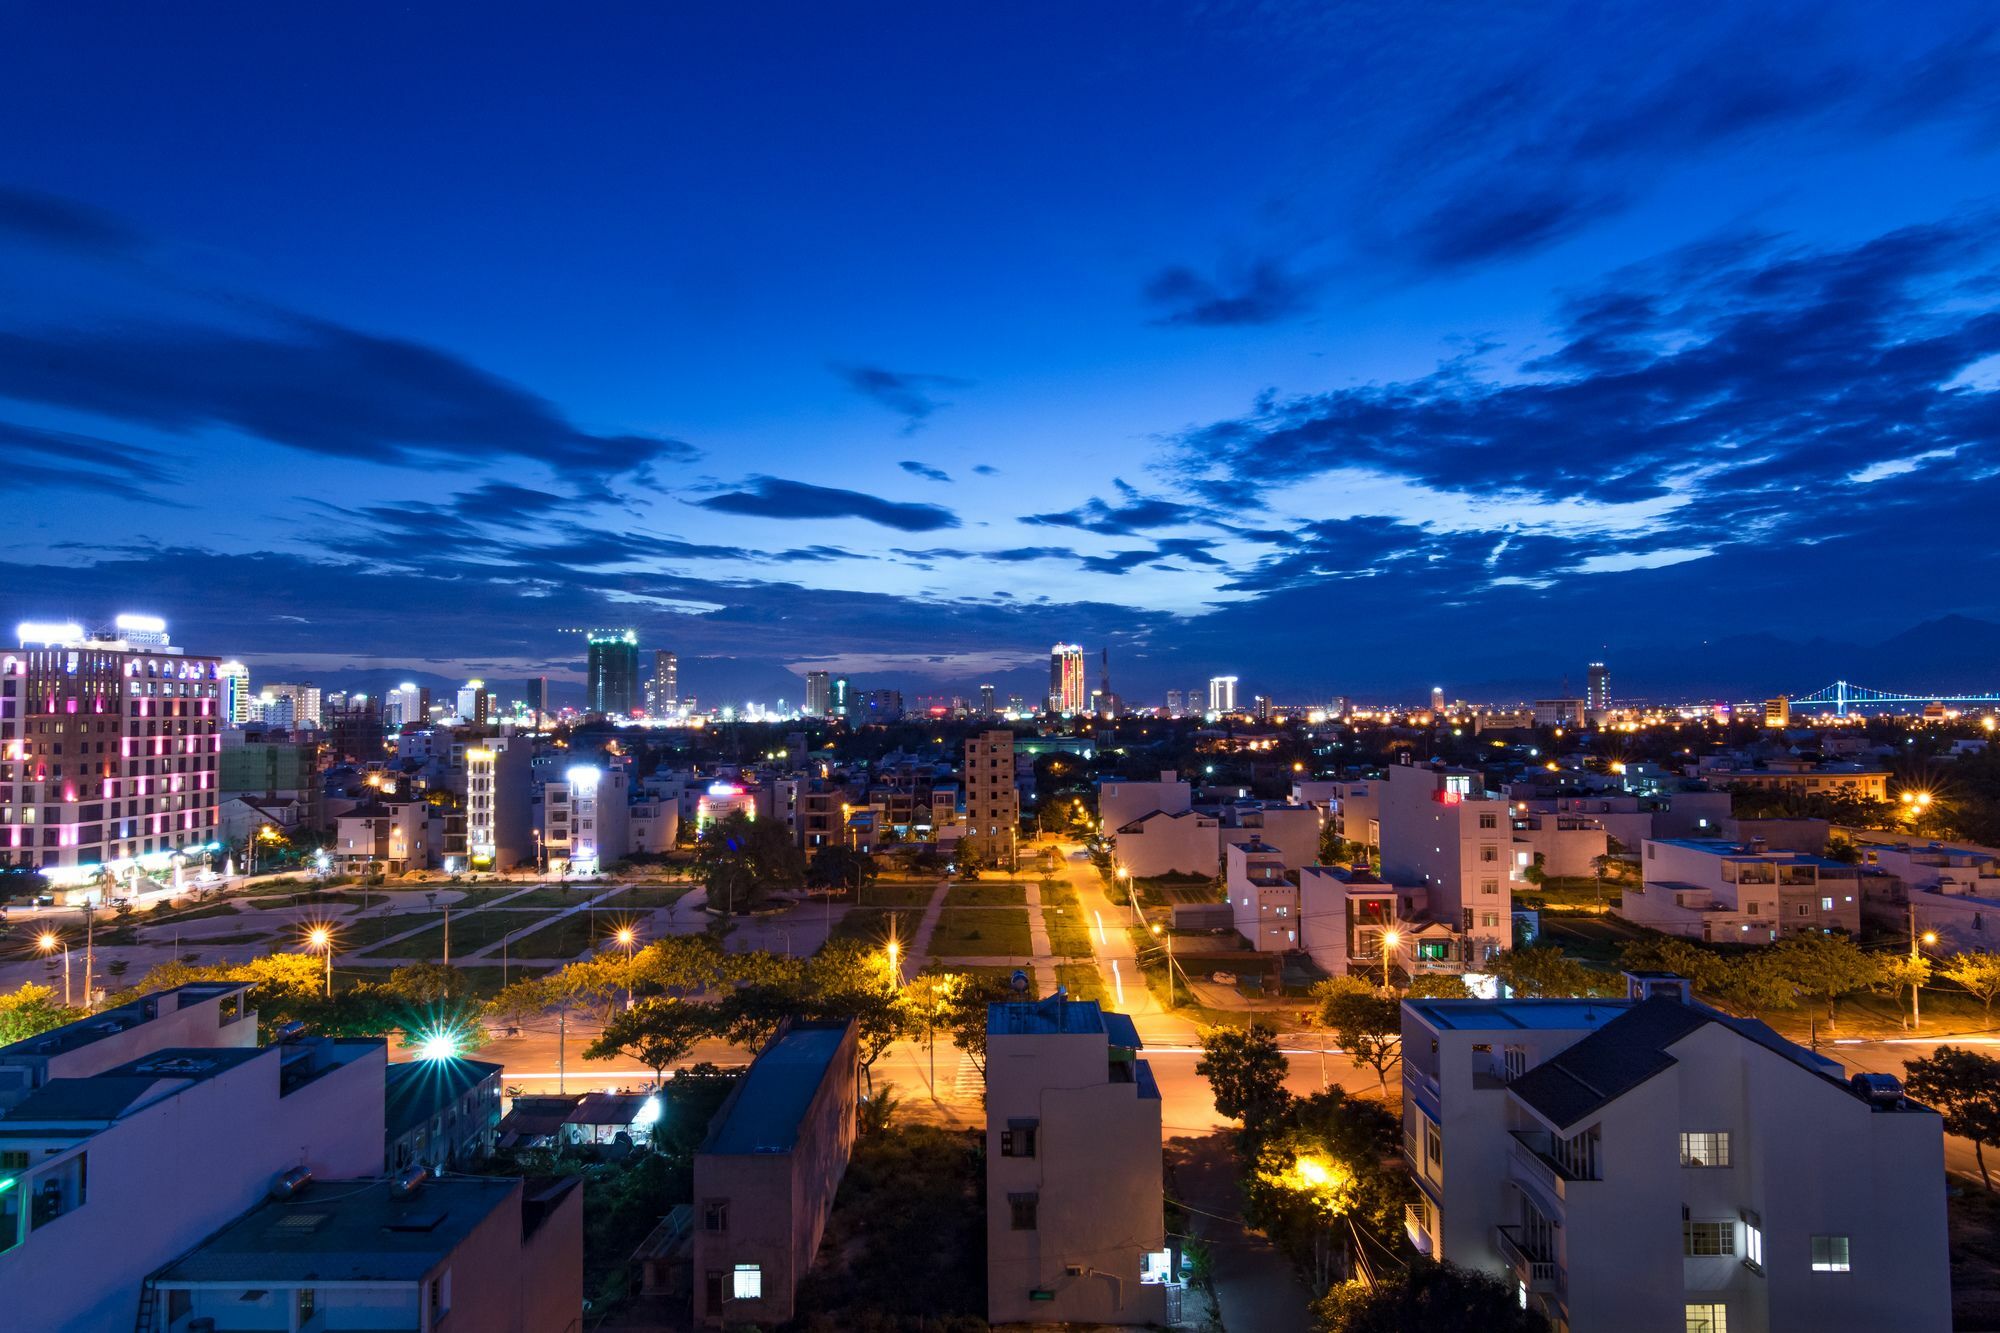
(1024, 1206)
(715, 1215)
(1018, 1139)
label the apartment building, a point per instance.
(1442, 830)
(1168, 843)
(1953, 892)
(992, 803)
(585, 822)
(1346, 915)
(1799, 777)
(109, 747)
(201, 1013)
(499, 804)
(1263, 896)
(440, 1112)
(1653, 1164)
(1121, 801)
(1729, 892)
(493, 1254)
(111, 1174)
(764, 1179)
(394, 836)
(1075, 1218)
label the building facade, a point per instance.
(110, 745)
(1442, 830)
(611, 681)
(819, 693)
(1068, 690)
(992, 802)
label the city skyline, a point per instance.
(1399, 346)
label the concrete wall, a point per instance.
(1120, 802)
(1169, 844)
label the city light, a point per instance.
(47, 633)
(438, 1045)
(47, 941)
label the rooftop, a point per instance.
(346, 1231)
(762, 1115)
(84, 1031)
(1490, 1015)
(415, 1091)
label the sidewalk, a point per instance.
(1254, 1284)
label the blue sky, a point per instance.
(1346, 347)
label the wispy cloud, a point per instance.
(774, 497)
(910, 395)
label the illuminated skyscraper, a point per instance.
(1597, 693)
(612, 682)
(987, 701)
(1437, 698)
(405, 706)
(663, 691)
(1068, 692)
(1222, 694)
(819, 693)
(234, 678)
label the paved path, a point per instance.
(1254, 1284)
(1038, 943)
(920, 943)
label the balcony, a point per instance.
(1539, 1156)
(1540, 1273)
(1415, 1217)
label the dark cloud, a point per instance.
(924, 470)
(1128, 516)
(32, 458)
(773, 497)
(310, 384)
(986, 469)
(1264, 294)
(64, 223)
(910, 395)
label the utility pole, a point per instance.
(447, 937)
(89, 952)
(1916, 1012)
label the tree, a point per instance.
(1325, 1163)
(1829, 966)
(1977, 973)
(656, 1032)
(966, 1018)
(1543, 971)
(1964, 1086)
(740, 859)
(929, 1000)
(838, 866)
(1246, 1071)
(1753, 984)
(31, 1011)
(1367, 1024)
(1438, 986)
(848, 980)
(1429, 1297)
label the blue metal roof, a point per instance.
(762, 1116)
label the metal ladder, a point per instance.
(149, 1296)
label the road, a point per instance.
(1886, 1055)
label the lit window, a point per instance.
(1707, 1240)
(748, 1283)
(1705, 1149)
(1708, 1318)
(1829, 1254)
(1753, 1239)
(1826, 904)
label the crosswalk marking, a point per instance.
(968, 1081)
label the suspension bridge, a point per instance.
(1844, 695)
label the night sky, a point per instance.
(1350, 348)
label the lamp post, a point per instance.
(48, 942)
(896, 961)
(1927, 937)
(1161, 932)
(321, 938)
(1390, 939)
(1131, 902)
(627, 937)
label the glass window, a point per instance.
(747, 1282)
(1708, 1318)
(1023, 1208)
(1018, 1139)
(1753, 1239)
(1829, 1254)
(715, 1215)
(1704, 1240)
(1705, 1149)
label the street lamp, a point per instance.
(1161, 932)
(321, 938)
(48, 942)
(1926, 937)
(1390, 939)
(896, 960)
(626, 938)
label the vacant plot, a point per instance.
(301, 899)
(987, 895)
(973, 932)
(1059, 893)
(472, 931)
(567, 937)
(1081, 980)
(558, 895)
(874, 926)
(166, 917)
(897, 895)
(352, 936)
(1069, 933)
(646, 897)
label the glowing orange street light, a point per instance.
(48, 942)
(321, 939)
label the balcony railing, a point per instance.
(1414, 1217)
(1541, 1273)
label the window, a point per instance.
(747, 1282)
(1433, 1144)
(1023, 1208)
(1708, 1318)
(1705, 1149)
(1707, 1240)
(1753, 1239)
(1489, 920)
(715, 1215)
(1489, 853)
(1829, 1254)
(1018, 1139)
(1804, 910)
(1488, 820)
(1489, 886)
(1826, 904)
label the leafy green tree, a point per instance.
(1428, 1297)
(838, 866)
(966, 1017)
(1977, 973)
(30, 1011)
(739, 860)
(1543, 971)
(1828, 966)
(1753, 984)
(1326, 1164)
(657, 1032)
(846, 979)
(1367, 1024)
(1963, 1086)
(1246, 1071)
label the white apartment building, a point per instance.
(1121, 801)
(1953, 892)
(109, 749)
(1344, 916)
(392, 836)
(992, 802)
(113, 1173)
(499, 805)
(1263, 896)
(1727, 892)
(202, 1013)
(234, 680)
(1441, 829)
(585, 822)
(299, 704)
(1075, 1216)
(1654, 1165)
(1168, 843)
